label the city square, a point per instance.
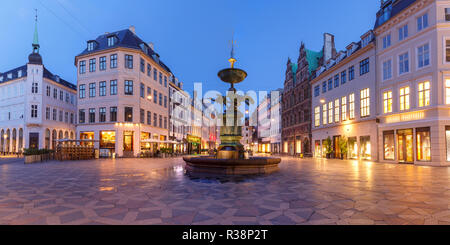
(158, 191)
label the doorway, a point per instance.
(128, 141)
(336, 148)
(34, 141)
(405, 146)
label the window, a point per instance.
(92, 65)
(324, 114)
(324, 87)
(67, 97)
(155, 96)
(91, 115)
(34, 88)
(155, 120)
(165, 101)
(344, 108)
(129, 61)
(336, 81)
(330, 84)
(403, 62)
(387, 41)
(142, 90)
(155, 74)
(365, 102)
(336, 111)
(149, 93)
(351, 100)
(142, 65)
(90, 46)
(128, 114)
(113, 87)
(447, 14)
(60, 116)
(54, 115)
(351, 73)
(330, 112)
(424, 94)
(91, 90)
(364, 67)
(102, 63)
(102, 88)
(160, 121)
(149, 118)
(165, 122)
(387, 70)
(423, 55)
(422, 22)
(423, 144)
(102, 114)
(404, 98)
(113, 61)
(82, 91)
(160, 99)
(149, 70)
(55, 93)
(128, 87)
(113, 114)
(66, 117)
(82, 67)
(403, 32)
(316, 91)
(71, 118)
(317, 116)
(111, 41)
(48, 91)
(447, 91)
(160, 78)
(47, 113)
(142, 115)
(387, 102)
(165, 81)
(81, 115)
(34, 111)
(343, 77)
(61, 95)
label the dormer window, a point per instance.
(112, 40)
(90, 45)
(9, 75)
(19, 73)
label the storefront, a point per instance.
(87, 136)
(107, 143)
(194, 144)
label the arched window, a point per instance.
(14, 140)
(54, 135)
(47, 139)
(20, 140)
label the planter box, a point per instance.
(33, 159)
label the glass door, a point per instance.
(405, 146)
(128, 141)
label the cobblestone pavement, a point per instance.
(157, 191)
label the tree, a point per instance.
(328, 148)
(343, 146)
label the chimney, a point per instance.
(328, 47)
(132, 29)
(151, 45)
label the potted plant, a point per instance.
(32, 155)
(343, 146)
(328, 148)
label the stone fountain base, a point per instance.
(212, 165)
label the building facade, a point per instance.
(123, 95)
(296, 103)
(36, 107)
(269, 120)
(179, 109)
(413, 68)
(343, 101)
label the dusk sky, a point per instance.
(191, 36)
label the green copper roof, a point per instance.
(313, 59)
(35, 38)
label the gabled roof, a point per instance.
(47, 74)
(126, 39)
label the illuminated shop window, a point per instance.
(365, 147)
(389, 145)
(423, 144)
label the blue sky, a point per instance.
(191, 36)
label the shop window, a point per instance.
(423, 144)
(447, 139)
(389, 145)
(352, 148)
(365, 147)
(108, 139)
(317, 149)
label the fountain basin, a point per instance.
(212, 165)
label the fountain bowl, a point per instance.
(251, 166)
(232, 75)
